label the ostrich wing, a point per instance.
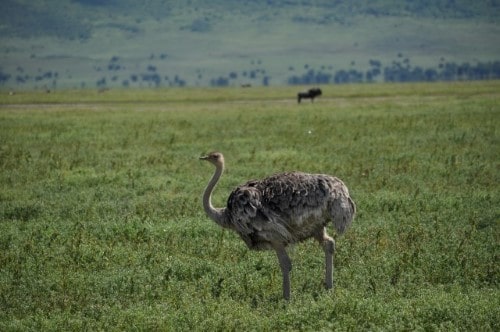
(258, 226)
(244, 206)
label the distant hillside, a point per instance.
(79, 19)
(126, 43)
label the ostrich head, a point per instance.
(215, 158)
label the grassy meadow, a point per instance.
(102, 228)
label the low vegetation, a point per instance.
(101, 225)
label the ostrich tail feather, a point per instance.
(343, 210)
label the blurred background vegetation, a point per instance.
(104, 44)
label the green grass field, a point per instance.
(101, 224)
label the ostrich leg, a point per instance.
(329, 248)
(286, 267)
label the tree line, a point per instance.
(400, 70)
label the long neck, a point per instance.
(215, 214)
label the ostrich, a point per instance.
(283, 209)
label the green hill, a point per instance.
(99, 43)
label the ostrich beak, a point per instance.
(203, 157)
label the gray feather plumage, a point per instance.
(288, 208)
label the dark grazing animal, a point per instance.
(309, 94)
(283, 209)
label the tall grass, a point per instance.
(101, 226)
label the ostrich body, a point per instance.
(283, 209)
